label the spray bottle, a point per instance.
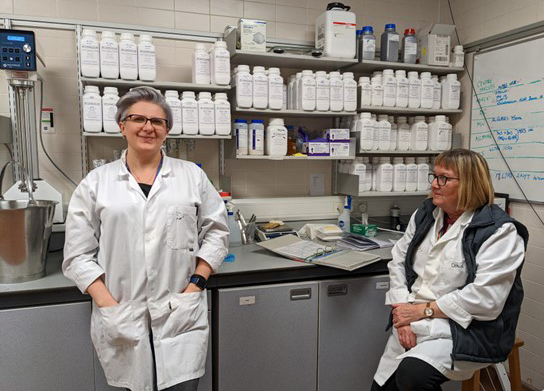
(235, 236)
(344, 218)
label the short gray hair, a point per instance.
(142, 94)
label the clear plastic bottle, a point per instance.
(235, 235)
(344, 220)
(92, 110)
(376, 132)
(357, 167)
(389, 88)
(323, 91)
(437, 96)
(403, 134)
(90, 57)
(307, 91)
(276, 138)
(256, 138)
(336, 92)
(350, 92)
(394, 129)
(451, 93)
(419, 134)
(414, 99)
(206, 114)
(220, 64)
(241, 133)
(275, 89)
(369, 43)
(109, 55)
(260, 88)
(109, 108)
(403, 89)
(377, 90)
(189, 113)
(384, 132)
(366, 91)
(384, 175)
(409, 46)
(389, 50)
(411, 174)
(368, 180)
(147, 61)
(222, 114)
(427, 91)
(422, 173)
(172, 98)
(201, 65)
(244, 87)
(399, 174)
(365, 132)
(128, 57)
(296, 95)
(458, 56)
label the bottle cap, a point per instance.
(409, 32)
(368, 29)
(390, 26)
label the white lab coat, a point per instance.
(440, 268)
(146, 248)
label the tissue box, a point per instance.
(337, 134)
(339, 148)
(318, 147)
(370, 230)
(251, 35)
(434, 44)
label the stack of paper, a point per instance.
(361, 243)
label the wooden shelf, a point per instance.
(369, 66)
(162, 85)
(188, 136)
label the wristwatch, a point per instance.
(199, 281)
(428, 311)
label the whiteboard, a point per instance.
(509, 82)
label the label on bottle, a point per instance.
(308, 88)
(410, 48)
(390, 88)
(221, 61)
(415, 90)
(92, 109)
(393, 37)
(175, 106)
(369, 45)
(403, 88)
(260, 87)
(146, 56)
(336, 91)
(455, 92)
(322, 90)
(275, 88)
(128, 56)
(350, 93)
(202, 64)
(257, 141)
(241, 141)
(190, 113)
(206, 114)
(109, 55)
(244, 85)
(222, 114)
(89, 52)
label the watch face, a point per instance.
(429, 311)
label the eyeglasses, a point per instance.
(441, 179)
(141, 121)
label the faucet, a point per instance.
(26, 184)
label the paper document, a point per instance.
(358, 242)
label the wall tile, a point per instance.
(522, 17)
(188, 21)
(518, 4)
(77, 10)
(117, 13)
(6, 6)
(532, 378)
(286, 14)
(495, 26)
(233, 8)
(314, 4)
(202, 7)
(531, 360)
(159, 4)
(535, 309)
(156, 18)
(218, 23)
(535, 254)
(259, 11)
(119, 2)
(44, 8)
(291, 31)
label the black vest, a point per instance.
(482, 341)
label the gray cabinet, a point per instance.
(267, 338)
(46, 348)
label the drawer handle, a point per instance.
(301, 294)
(337, 290)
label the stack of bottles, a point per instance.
(264, 89)
(386, 174)
(204, 116)
(254, 140)
(387, 133)
(211, 66)
(394, 89)
(111, 59)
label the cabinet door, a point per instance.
(352, 337)
(46, 348)
(267, 338)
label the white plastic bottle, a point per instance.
(437, 96)
(358, 168)
(344, 220)
(375, 165)
(451, 93)
(414, 99)
(384, 175)
(109, 55)
(399, 174)
(260, 88)
(109, 108)
(90, 57)
(389, 88)
(403, 134)
(256, 138)
(128, 57)
(275, 89)
(276, 138)
(201, 65)
(350, 92)
(376, 132)
(450, 133)
(290, 92)
(206, 114)
(172, 98)
(296, 98)
(222, 114)
(458, 56)
(377, 91)
(322, 91)
(92, 110)
(368, 181)
(235, 235)
(411, 174)
(384, 132)
(403, 88)
(394, 129)
(189, 113)
(365, 132)
(244, 87)
(241, 133)
(307, 91)
(368, 43)
(220, 64)
(336, 92)
(422, 173)
(147, 61)
(284, 97)
(427, 91)
(366, 91)
(419, 134)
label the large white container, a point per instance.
(399, 174)
(147, 62)
(377, 90)
(201, 65)
(376, 132)
(90, 56)
(128, 57)
(220, 64)
(384, 175)
(384, 132)
(350, 92)
(336, 92)
(403, 134)
(92, 110)
(411, 174)
(222, 114)
(403, 89)
(275, 89)
(296, 83)
(423, 173)
(109, 55)
(366, 91)
(451, 93)
(307, 91)
(439, 132)
(172, 98)
(357, 167)
(323, 93)
(260, 88)
(368, 181)
(427, 90)
(241, 132)
(419, 134)
(414, 99)
(389, 88)
(394, 128)
(256, 138)
(437, 96)
(276, 138)
(244, 87)
(189, 113)
(365, 132)
(109, 108)
(206, 114)
(335, 31)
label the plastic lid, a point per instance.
(368, 29)
(276, 121)
(321, 74)
(409, 160)
(400, 73)
(146, 38)
(89, 33)
(188, 94)
(334, 74)
(451, 76)
(409, 32)
(290, 127)
(440, 118)
(243, 68)
(422, 159)
(220, 96)
(171, 94)
(240, 121)
(425, 75)
(385, 159)
(92, 90)
(111, 90)
(257, 121)
(412, 74)
(398, 159)
(388, 72)
(338, 5)
(390, 118)
(200, 46)
(127, 36)
(274, 70)
(382, 117)
(390, 26)
(108, 34)
(307, 72)
(420, 118)
(363, 79)
(358, 32)
(458, 49)
(365, 115)
(401, 119)
(204, 95)
(258, 69)
(220, 44)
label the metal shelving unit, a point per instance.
(399, 153)
(369, 66)
(266, 157)
(179, 136)
(349, 184)
(292, 113)
(406, 110)
(161, 85)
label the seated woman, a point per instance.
(455, 285)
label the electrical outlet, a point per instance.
(362, 207)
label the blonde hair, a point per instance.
(475, 187)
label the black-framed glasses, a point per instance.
(441, 179)
(140, 121)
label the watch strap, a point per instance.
(199, 281)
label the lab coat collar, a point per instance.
(455, 229)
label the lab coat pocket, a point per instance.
(181, 227)
(119, 324)
(188, 313)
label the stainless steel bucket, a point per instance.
(24, 238)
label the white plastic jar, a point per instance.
(172, 99)
(322, 91)
(384, 175)
(336, 92)
(376, 132)
(437, 96)
(384, 132)
(109, 108)
(241, 133)
(276, 138)
(260, 88)
(403, 134)
(307, 91)
(419, 134)
(399, 174)
(189, 113)
(366, 91)
(206, 114)
(427, 91)
(389, 88)
(377, 91)
(423, 173)
(147, 61)
(222, 114)
(368, 181)
(220, 64)
(394, 129)
(451, 93)
(375, 165)
(201, 65)
(256, 138)
(411, 174)
(403, 88)
(365, 132)
(458, 56)
(350, 92)
(438, 134)
(275, 89)
(92, 110)
(244, 87)
(414, 98)
(357, 167)
(90, 57)
(296, 94)
(128, 57)
(109, 55)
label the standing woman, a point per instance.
(455, 284)
(143, 234)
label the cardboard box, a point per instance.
(337, 134)
(434, 44)
(318, 147)
(251, 35)
(339, 148)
